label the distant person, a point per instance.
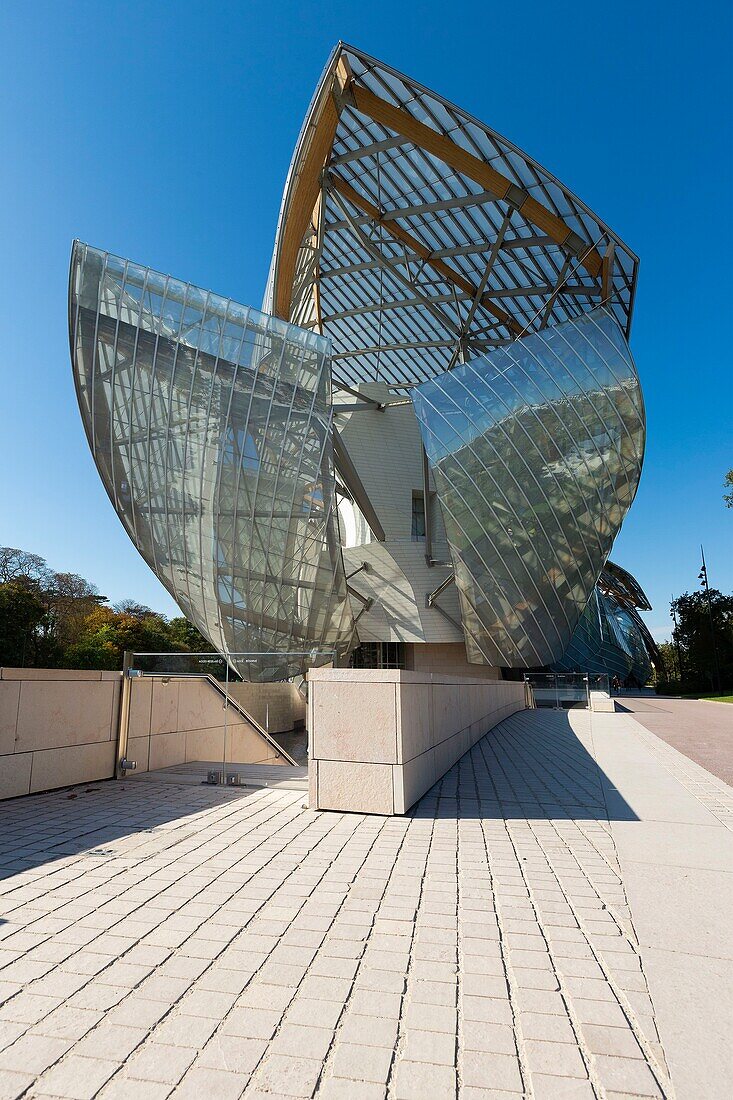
(616, 685)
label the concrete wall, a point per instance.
(278, 708)
(386, 449)
(447, 657)
(183, 720)
(57, 727)
(380, 739)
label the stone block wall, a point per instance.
(57, 727)
(175, 721)
(380, 739)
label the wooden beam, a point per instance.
(402, 122)
(307, 189)
(440, 266)
(607, 273)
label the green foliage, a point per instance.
(59, 620)
(668, 653)
(702, 636)
(25, 637)
(728, 484)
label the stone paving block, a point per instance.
(367, 1002)
(33, 1053)
(489, 1037)
(14, 1085)
(429, 1046)
(362, 1063)
(547, 1087)
(214, 1084)
(548, 1027)
(298, 1041)
(470, 1092)
(160, 1062)
(432, 993)
(425, 1017)
(611, 1040)
(371, 1031)
(486, 1009)
(270, 998)
(560, 1059)
(10, 1030)
(483, 1069)
(232, 1052)
(180, 1030)
(307, 1012)
(629, 1075)
(134, 1011)
(343, 1088)
(418, 1080)
(110, 1041)
(75, 1078)
(287, 1076)
(381, 981)
(206, 1003)
(128, 1088)
(599, 1012)
(541, 1000)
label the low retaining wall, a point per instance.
(601, 702)
(178, 721)
(380, 739)
(57, 727)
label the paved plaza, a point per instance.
(700, 728)
(552, 920)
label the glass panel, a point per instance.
(211, 428)
(536, 450)
(418, 517)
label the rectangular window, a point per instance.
(418, 516)
(378, 655)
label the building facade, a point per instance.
(419, 453)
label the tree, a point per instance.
(24, 636)
(19, 563)
(669, 655)
(705, 637)
(132, 607)
(60, 620)
(105, 635)
(71, 599)
(728, 484)
(184, 634)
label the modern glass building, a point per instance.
(420, 452)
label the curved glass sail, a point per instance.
(610, 638)
(210, 425)
(536, 449)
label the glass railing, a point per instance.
(203, 717)
(565, 690)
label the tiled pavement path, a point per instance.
(701, 730)
(190, 942)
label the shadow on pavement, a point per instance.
(532, 765)
(40, 829)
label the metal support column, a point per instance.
(123, 726)
(427, 508)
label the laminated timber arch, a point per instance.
(389, 233)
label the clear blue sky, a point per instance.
(163, 131)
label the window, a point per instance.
(418, 516)
(378, 655)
